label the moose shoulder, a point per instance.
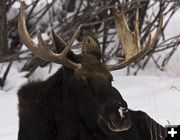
(78, 101)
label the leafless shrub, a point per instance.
(97, 17)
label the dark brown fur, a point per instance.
(75, 104)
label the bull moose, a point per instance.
(79, 102)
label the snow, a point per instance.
(8, 104)
(157, 96)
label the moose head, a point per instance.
(110, 108)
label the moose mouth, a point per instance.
(115, 123)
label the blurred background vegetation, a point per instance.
(97, 17)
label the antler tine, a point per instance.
(41, 50)
(157, 33)
(66, 50)
(22, 30)
(130, 40)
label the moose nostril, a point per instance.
(125, 110)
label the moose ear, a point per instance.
(58, 43)
(90, 45)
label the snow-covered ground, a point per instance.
(157, 96)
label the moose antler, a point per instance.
(130, 40)
(41, 49)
